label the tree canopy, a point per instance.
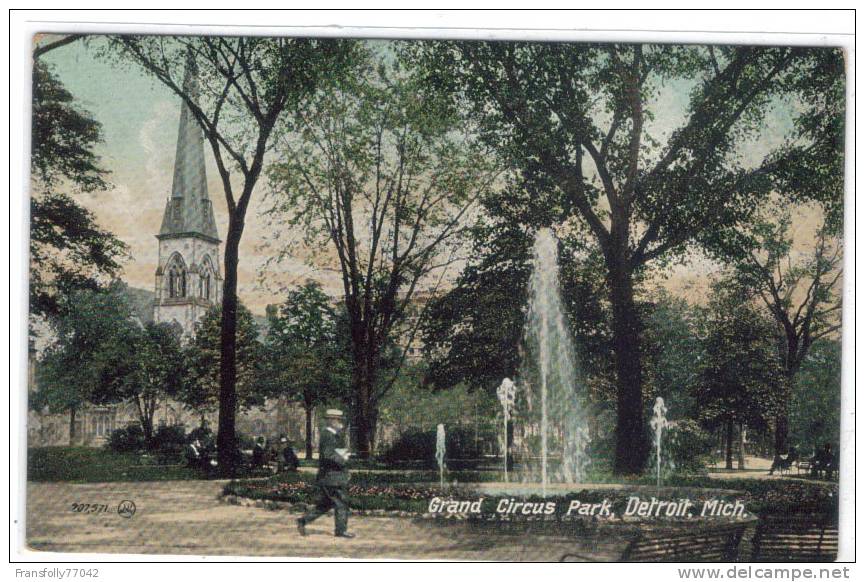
(68, 249)
(382, 174)
(304, 357)
(576, 123)
(200, 391)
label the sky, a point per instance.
(139, 119)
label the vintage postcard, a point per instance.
(439, 299)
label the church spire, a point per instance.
(189, 211)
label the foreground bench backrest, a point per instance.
(719, 543)
(795, 538)
(703, 543)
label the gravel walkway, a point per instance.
(185, 517)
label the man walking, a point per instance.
(332, 477)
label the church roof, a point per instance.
(189, 211)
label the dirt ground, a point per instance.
(755, 468)
(185, 517)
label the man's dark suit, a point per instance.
(332, 481)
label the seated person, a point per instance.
(196, 455)
(289, 458)
(826, 463)
(823, 462)
(259, 453)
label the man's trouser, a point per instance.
(330, 497)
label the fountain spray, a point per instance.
(554, 402)
(506, 392)
(659, 423)
(440, 453)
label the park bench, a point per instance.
(792, 538)
(711, 543)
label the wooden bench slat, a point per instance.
(707, 544)
(795, 538)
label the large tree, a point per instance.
(740, 374)
(802, 293)
(246, 85)
(381, 173)
(142, 365)
(815, 403)
(68, 249)
(67, 374)
(578, 122)
(200, 391)
(305, 359)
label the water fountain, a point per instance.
(659, 424)
(551, 402)
(440, 453)
(547, 408)
(506, 393)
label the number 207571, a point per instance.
(90, 508)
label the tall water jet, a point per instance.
(506, 393)
(440, 453)
(551, 401)
(659, 424)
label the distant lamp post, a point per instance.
(506, 392)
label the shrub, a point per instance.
(417, 445)
(126, 440)
(245, 441)
(687, 445)
(168, 443)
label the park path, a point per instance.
(185, 517)
(755, 468)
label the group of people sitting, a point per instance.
(202, 456)
(281, 453)
(823, 465)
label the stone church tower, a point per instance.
(188, 279)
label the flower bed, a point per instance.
(406, 493)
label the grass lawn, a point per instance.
(92, 465)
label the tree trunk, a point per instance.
(308, 410)
(729, 445)
(226, 437)
(363, 413)
(361, 420)
(631, 443)
(741, 447)
(509, 445)
(72, 412)
(145, 419)
(782, 422)
(147, 429)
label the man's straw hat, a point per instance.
(333, 413)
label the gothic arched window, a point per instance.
(176, 278)
(206, 279)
